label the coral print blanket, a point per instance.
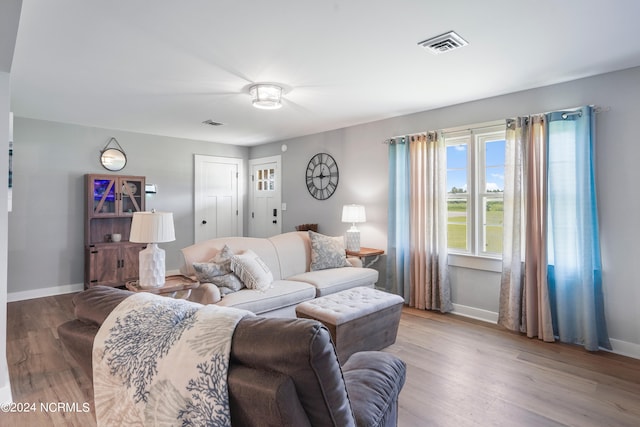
(158, 361)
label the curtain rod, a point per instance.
(566, 114)
(388, 140)
(411, 135)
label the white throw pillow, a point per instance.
(252, 270)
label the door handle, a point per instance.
(204, 221)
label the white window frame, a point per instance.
(452, 140)
(475, 137)
(482, 137)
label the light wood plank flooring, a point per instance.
(459, 373)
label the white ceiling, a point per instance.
(164, 66)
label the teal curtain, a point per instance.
(574, 263)
(398, 247)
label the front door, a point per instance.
(265, 195)
(218, 210)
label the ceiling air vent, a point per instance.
(212, 123)
(443, 43)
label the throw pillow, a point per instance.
(227, 283)
(223, 259)
(252, 270)
(327, 252)
(218, 271)
(207, 271)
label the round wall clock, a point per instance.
(322, 176)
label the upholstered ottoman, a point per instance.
(359, 319)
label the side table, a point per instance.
(175, 286)
(363, 253)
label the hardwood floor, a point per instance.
(459, 373)
(41, 371)
(464, 373)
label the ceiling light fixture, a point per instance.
(266, 96)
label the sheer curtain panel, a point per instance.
(574, 264)
(398, 268)
(430, 288)
(551, 285)
(524, 296)
(417, 250)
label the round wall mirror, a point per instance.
(113, 159)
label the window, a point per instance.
(266, 180)
(475, 187)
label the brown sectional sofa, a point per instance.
(283, 372)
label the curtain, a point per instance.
(417, 250)
(430, 288)
(398, 268)
(551, 283)
(524, 296)
(574, 265)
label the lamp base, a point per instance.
(353, 240)
(152, 271)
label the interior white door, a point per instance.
(218, 206)
(265, 197)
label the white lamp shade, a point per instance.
(353, 213)
(152, 227)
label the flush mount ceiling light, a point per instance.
(266, 96)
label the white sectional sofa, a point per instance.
(288, 256)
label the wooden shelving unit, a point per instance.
(111, 201)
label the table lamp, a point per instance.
(353, 214)
(152, 228)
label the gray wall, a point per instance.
(362, 159)
(46, 227)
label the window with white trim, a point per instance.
(266, 180)
(475, 189)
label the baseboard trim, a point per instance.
(55, 290)
(625, 348)
(44, 292)
(475, 313)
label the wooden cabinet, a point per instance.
(111, 201)
(114, 196)
(112, 264)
